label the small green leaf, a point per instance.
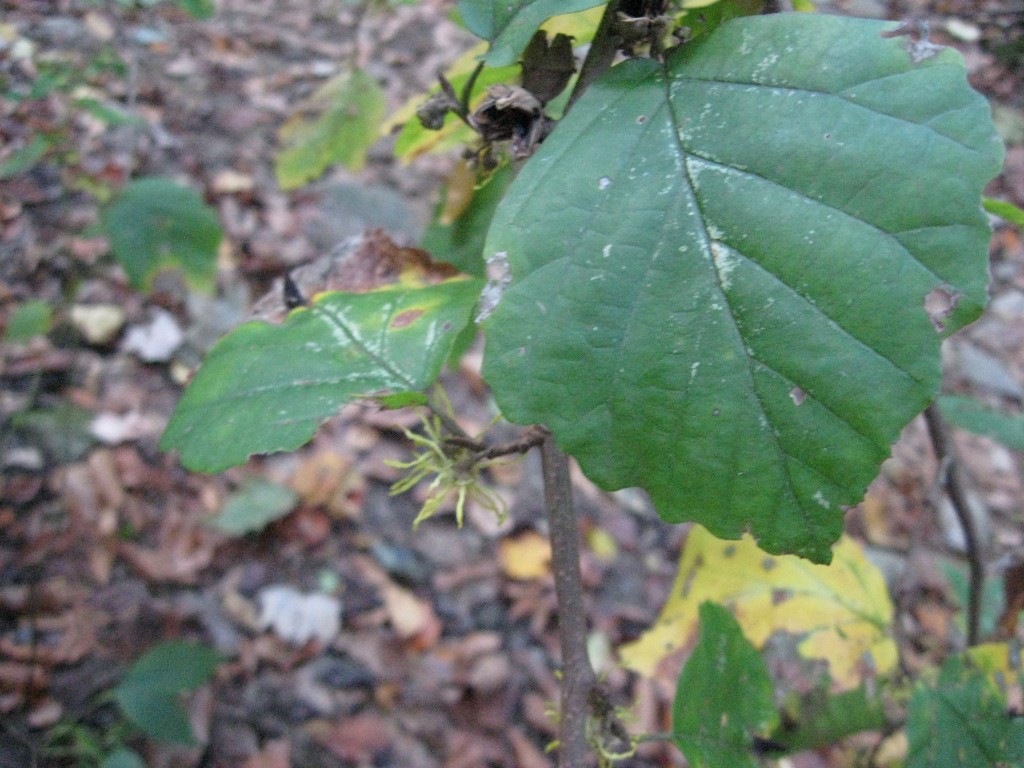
(23, 159)
(337, 124)
(253, 507)
(123, 757)
(723, 697)
(266, 388)
(148, 693)
(720, 264)
(61, 431)
(31, 319)
(111, 115)
(1005, 210)
(962, 722)
(974, 416)
(157, 223)
(820, 718)
(509, 24)
(198, 9)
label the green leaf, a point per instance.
(509, 24)
(61, 431)
(974, 416)
(1005, 210)
(820, 718)
(23, 159)
(198, 9)
(148, 693)
(461, 243)
(109, 114)
(123, 757)
(266, 388)
(31, 319)
(337, 124)
(157, 223)
(962, 722)
(254, 506)
(719, 270)
(723, 697)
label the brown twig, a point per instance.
(578, 678)
(602, 52)
(950, 476)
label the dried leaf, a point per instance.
(527, 556)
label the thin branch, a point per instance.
(602, 52)
(578, 678)
(951, 478)
(531, 438)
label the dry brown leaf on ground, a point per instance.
(184, 548)
(275, 754)
(526, 556)
(412, 617)
(356, 739)
(75, 637)
(526, 752)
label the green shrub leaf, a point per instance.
(724, 696)
(962, 722)
(267, 388)
(254, 506)
(157, 223)
(721, 266)
(974, 416)
(35, 316)
(509, 24)
(461, 243)
(148, 693)
(337, 124)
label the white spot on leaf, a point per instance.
(499, 277)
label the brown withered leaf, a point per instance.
(184, 548)
(358, 265)
(547, 66)
(66, 639)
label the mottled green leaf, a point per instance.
(720, 267)
(266, 388)
(337, 124)
(723, 697)
(962, 722)
(157, 223)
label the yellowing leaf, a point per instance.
(337, 124)
(525, 557)
(842, 610)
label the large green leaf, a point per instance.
(267, 388)
(156, 223)
(723, 697)
(720, 268)
(148, 694)
(509, 24)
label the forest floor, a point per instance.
(447, 650)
